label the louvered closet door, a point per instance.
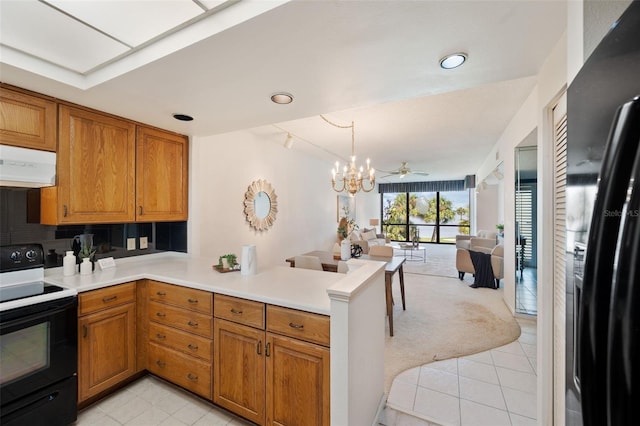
(559, 267)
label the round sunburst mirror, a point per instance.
(260, 205)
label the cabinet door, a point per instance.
(297, 382)
(161, 175)
(238, 379)
(106, 351)
(27, 121)
(96, 168)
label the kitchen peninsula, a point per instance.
(350, 305)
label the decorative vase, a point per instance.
(86, 268)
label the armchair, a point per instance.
(465, 265)
(366, 239)
(484, 241)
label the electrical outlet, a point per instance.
(144, 243)
(131, 243)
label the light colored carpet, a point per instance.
(441, 261)
(445, 318)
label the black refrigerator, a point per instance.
(603, 232)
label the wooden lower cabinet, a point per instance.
(107, 341)
(269, 378)
(297, 382)
(183, 370)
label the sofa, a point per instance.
(483, 241)
(367, 238)
(464, 263)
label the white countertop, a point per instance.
(279, 285)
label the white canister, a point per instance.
(345, 249)
(249, 264)
(86, 266)
(69, 264)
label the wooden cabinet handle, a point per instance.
(192, 300)
(192, 324)
(234, 311)
(267, 349)
(296, 326)
(140, 210)
(86, 330)
(192, 377)
(160, 363)
(192, 347)
(259, 347)
(160, 336)
(160, 314)
(161, 293)
(109, 298)
(66, 211)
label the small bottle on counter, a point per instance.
(85, 266)
(69, 264)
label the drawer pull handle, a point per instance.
(192, 377)
(161, 293)
(192, 300)
(160, 363)
(161, 336)
(296, 326)
(86, 329)
(160, 314)
(234, 311)
(259, 347)
(192, 347)
(141, 210)
(267, 349)
(193, 324)
(66, 211)
(109, 298)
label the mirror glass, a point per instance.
(261, 205)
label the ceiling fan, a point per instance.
(403, 170)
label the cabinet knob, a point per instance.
(109, 298)
(259, 347)
(192, 377)
(160, 363)
(160, 336)
(267, 349)
(235, 311)
(140, 210)
(296, 326)
(192, 347)
(193, 324)
(161, 293)
(160, 314)
(192, 300)
(66, 211)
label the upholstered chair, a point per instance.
(308, 262)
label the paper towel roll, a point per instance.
(249, 263)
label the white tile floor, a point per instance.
(150, 401)
(492, 388)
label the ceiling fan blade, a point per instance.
(382, 177)
(421, 173)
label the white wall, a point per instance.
(223, 166)
(488, 208)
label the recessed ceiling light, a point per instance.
(282, 98)
(183, 117)
(453, 61)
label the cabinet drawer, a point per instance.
(96, 300)
(181, 369)
(184, 297)
(187, 343)
(298, 324)
(239, 310)
(190, 321)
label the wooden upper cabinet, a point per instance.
(161, 175)
(27, 121)
(96, 170)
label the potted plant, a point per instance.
(346, 224)
(227, 261)
(87, 252)
(500, 228)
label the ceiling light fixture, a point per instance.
(183, 117)
(453, 61)
(282, 98)
(288, 142)
(350, 178)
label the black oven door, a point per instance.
(39, 348)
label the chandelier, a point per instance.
(351, 178)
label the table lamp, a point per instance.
(374, 223)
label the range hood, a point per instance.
(27, 168)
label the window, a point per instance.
(435, 217)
